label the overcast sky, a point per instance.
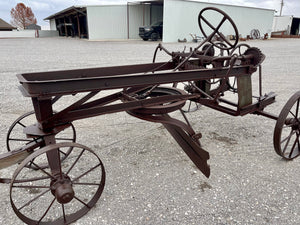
(43, 8)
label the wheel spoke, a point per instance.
(30, 180)
(288, 137)
(21, 124)
(208, 23)
(224, 38)
(287, 143)
(220, 24)
(75, 161)
(90, 170)
(287, 126)
(45, 172)
(295, 115)
(297, 109)
(20, 139)
(62, 152)
(64, 213)
(30, 186)
(96, 184)
(189, 108)
(82, 202)
(294, 145)
(45, 213)
(32, 200)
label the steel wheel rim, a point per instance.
(288, 122)
(11, 138)
(64, 218)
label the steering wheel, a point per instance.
(217, 28)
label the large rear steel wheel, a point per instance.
(47, 198)
(287, 129)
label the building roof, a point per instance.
(33, 27)
(81, 8)
(5, 25)
(70, 10)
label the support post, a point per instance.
(78, 26)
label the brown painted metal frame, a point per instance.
(42, 87)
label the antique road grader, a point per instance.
(58, 180)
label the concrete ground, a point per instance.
(149, 178)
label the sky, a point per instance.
(45, 8)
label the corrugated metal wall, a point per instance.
(52, 24)
(181, 19)
(282, 23)
(139, 15)
(107, 22)
(110, 22)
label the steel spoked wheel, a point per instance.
(16, 138)
(47, 198)
(287, 129)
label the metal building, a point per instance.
(286, 25)
(180, 19)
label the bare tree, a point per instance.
(22, 16)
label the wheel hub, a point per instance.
(62, 189)
(295, 124)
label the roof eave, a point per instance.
(63, 11)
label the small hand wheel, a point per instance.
(216, 29)
(286, 137)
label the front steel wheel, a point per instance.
(286, 137)
(46, 197)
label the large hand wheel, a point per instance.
(41, 197)
(286, 137)
(16, 138)
(216, 29)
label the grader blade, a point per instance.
(16, 156)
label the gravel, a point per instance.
(149, 178)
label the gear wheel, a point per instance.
(258, 56)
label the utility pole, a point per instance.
(281, 7)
